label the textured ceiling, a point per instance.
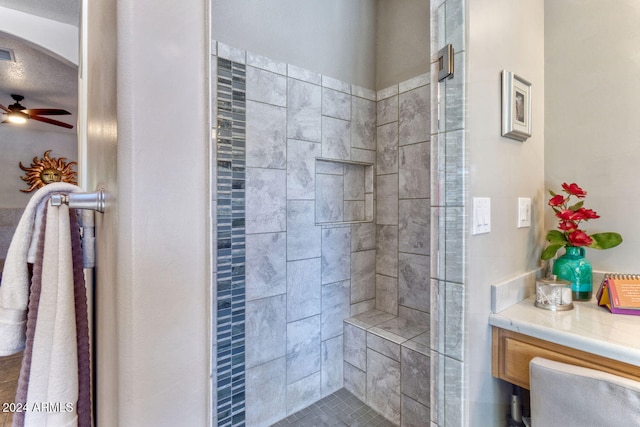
(67, 11)
(44, 80)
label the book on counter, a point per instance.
(620, 293)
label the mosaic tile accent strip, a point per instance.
(230, 237)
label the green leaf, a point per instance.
(556, 237)
(605, 240)
(576, 206)
(550, 251)
(552, 193)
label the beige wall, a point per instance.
(591, 108)
(306, 34)
(502, 35)
(22, 144)
(152, 267)
(402, 41)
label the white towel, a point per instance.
(53, 379)
(14, 290)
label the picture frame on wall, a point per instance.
(516, 106)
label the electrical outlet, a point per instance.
(524, 212)
(481, 215)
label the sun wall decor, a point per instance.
(47, 170)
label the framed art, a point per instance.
(516, 106)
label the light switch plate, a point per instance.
(524, 212)
(481, 215)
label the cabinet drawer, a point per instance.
(512, 352)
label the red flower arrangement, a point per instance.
(570, 217)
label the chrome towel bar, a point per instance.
(94, 201)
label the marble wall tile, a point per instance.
(454, 24)
(454, 244)
(414, 414)
(336, 84)
(329, 167)
(266, 393)
(363, 237)
(266, 205)
(387, 92)
(355, 346)
(265, 86)
(336, 250)
(335, 308)
(301, 169)
(414, 171)
(436, 315)
(387, 199)
(414, 228)
(336, 138)
(355, 381)
(387, 294)
(303, 236)
(354, 210)
(354, 182)
(268, 64)
(383, 385)
(266, 136)
(363, 307)
(453, 392)
(414, 82)
(454, 95)
(414, 317)
(332, 365)
(437, 388)
(437, 247)
(362, 92)
(303, 74)
(303, 393)
(387, 152)
(329, 198)
(266, 265)
(304, 111)
(383, 346)
(454, 170)
(366, 156)
(336, 104)
(231, 53)
(363, 280)
(303, 289)
(303, 348)
(454, 321)
(387, 110)
(414, 288)
(265, 330)
(416, 375)
(387, 250)
(415, 115)
(363, 123)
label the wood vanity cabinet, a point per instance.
(512, 352)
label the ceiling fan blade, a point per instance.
(5, 108)
(52, 122)
(46, 112)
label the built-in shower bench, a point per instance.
(387, 364)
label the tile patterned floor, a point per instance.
(340, 409)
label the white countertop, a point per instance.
(587, 327)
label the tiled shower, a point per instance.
(321, 213)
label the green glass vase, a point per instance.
(575, 268)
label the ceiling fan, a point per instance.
(16, 113)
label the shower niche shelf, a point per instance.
(344, 192)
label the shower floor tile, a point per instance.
(340, 409)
